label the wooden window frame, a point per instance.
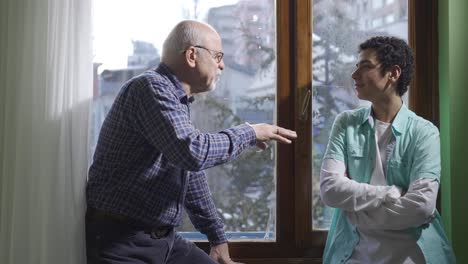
(296, 242)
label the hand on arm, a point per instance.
(220, 253)
(414, 209)
(337, 190)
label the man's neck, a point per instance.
(179, 72)
(187, 89)
(386, 110)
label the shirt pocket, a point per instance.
(398, 173)
(356, 151)
(357, 162)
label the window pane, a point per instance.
(128, 41)
(339, 26)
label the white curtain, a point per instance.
(45, 90)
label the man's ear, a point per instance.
(191, 56)
(395, 72)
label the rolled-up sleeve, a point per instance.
(337, 142)
(426, 163)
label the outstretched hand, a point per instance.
(266, 132)
(220, 253)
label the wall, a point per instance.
(453, 85)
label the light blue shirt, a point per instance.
(413, 153)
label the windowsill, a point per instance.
(233, 236)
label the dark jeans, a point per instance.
(117, 243)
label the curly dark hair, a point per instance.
(393, 51)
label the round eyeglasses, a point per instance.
(217, 55)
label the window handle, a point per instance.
(305, 105)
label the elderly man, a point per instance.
(149, 161)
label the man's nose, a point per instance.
(221, 64)
(354, 75)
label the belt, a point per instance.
(94, 214)
(98, 215)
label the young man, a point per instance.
(149, 160)
(381, 169)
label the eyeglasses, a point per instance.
(217, 55)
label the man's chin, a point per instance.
(359, 95)
(205, 89)
(212, 87)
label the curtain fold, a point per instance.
(45, 94)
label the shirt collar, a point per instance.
(398, 124)
(367, 117)
(163, 69)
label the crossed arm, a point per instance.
(377, 207)
(337, 190)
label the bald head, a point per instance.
(186, 33)
(191, 52)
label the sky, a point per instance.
(117, 22)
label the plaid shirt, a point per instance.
(149, 159)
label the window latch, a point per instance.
(305, 105)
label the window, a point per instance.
(337, 32)
(244, 190)
(297, 232)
